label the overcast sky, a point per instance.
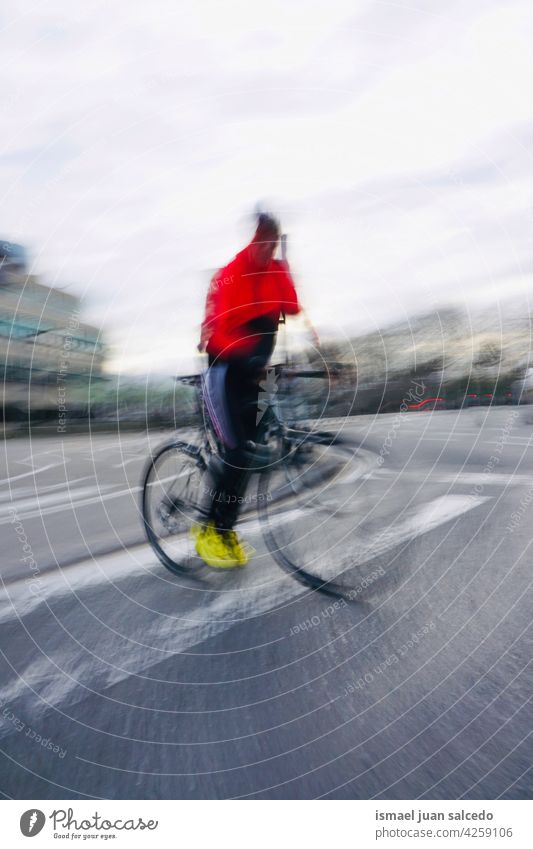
(396, 142)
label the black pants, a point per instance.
(229, 474)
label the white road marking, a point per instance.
(75, 505)
(30, 459)
(426, 518)
(47, 504)
(123, 565)
(442, 439)
(124, 463)
(41, 503)
(363, 460)
(29, 474)
(383, 472)
(486, 479)
(514, 442)
(437, 512)
(33, 490)
(261, 589)
(460, 478)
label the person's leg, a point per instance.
(235, 399)
(231, 481)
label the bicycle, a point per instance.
(300, 500)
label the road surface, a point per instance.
(122, 681)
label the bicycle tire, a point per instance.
(185, 512)
(303, 557)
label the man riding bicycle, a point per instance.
(243, 308)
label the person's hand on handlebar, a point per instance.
(315, 338)
(313, 335)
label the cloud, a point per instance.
(397, 141)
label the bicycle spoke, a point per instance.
(171, 498)
(315, 544)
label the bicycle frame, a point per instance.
(271, 421)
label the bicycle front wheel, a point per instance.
(171, 498)
(308, 505)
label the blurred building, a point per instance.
(48, 355)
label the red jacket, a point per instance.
(238, 294)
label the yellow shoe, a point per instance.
(213, 549)
(195, 531)
(241, 551)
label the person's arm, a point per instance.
(291, 304)
(288, 296)
(315, 338)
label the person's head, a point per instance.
(265, 240)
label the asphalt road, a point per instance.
(120, 680)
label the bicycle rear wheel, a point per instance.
(308, 506)
(171, 497)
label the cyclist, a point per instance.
(243, 308)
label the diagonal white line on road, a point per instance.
(259, 590)
(123, 564)
(74, 505)
(486, 479)
(426, 518)
(24, 492)
(40, 503)
(29, 474)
